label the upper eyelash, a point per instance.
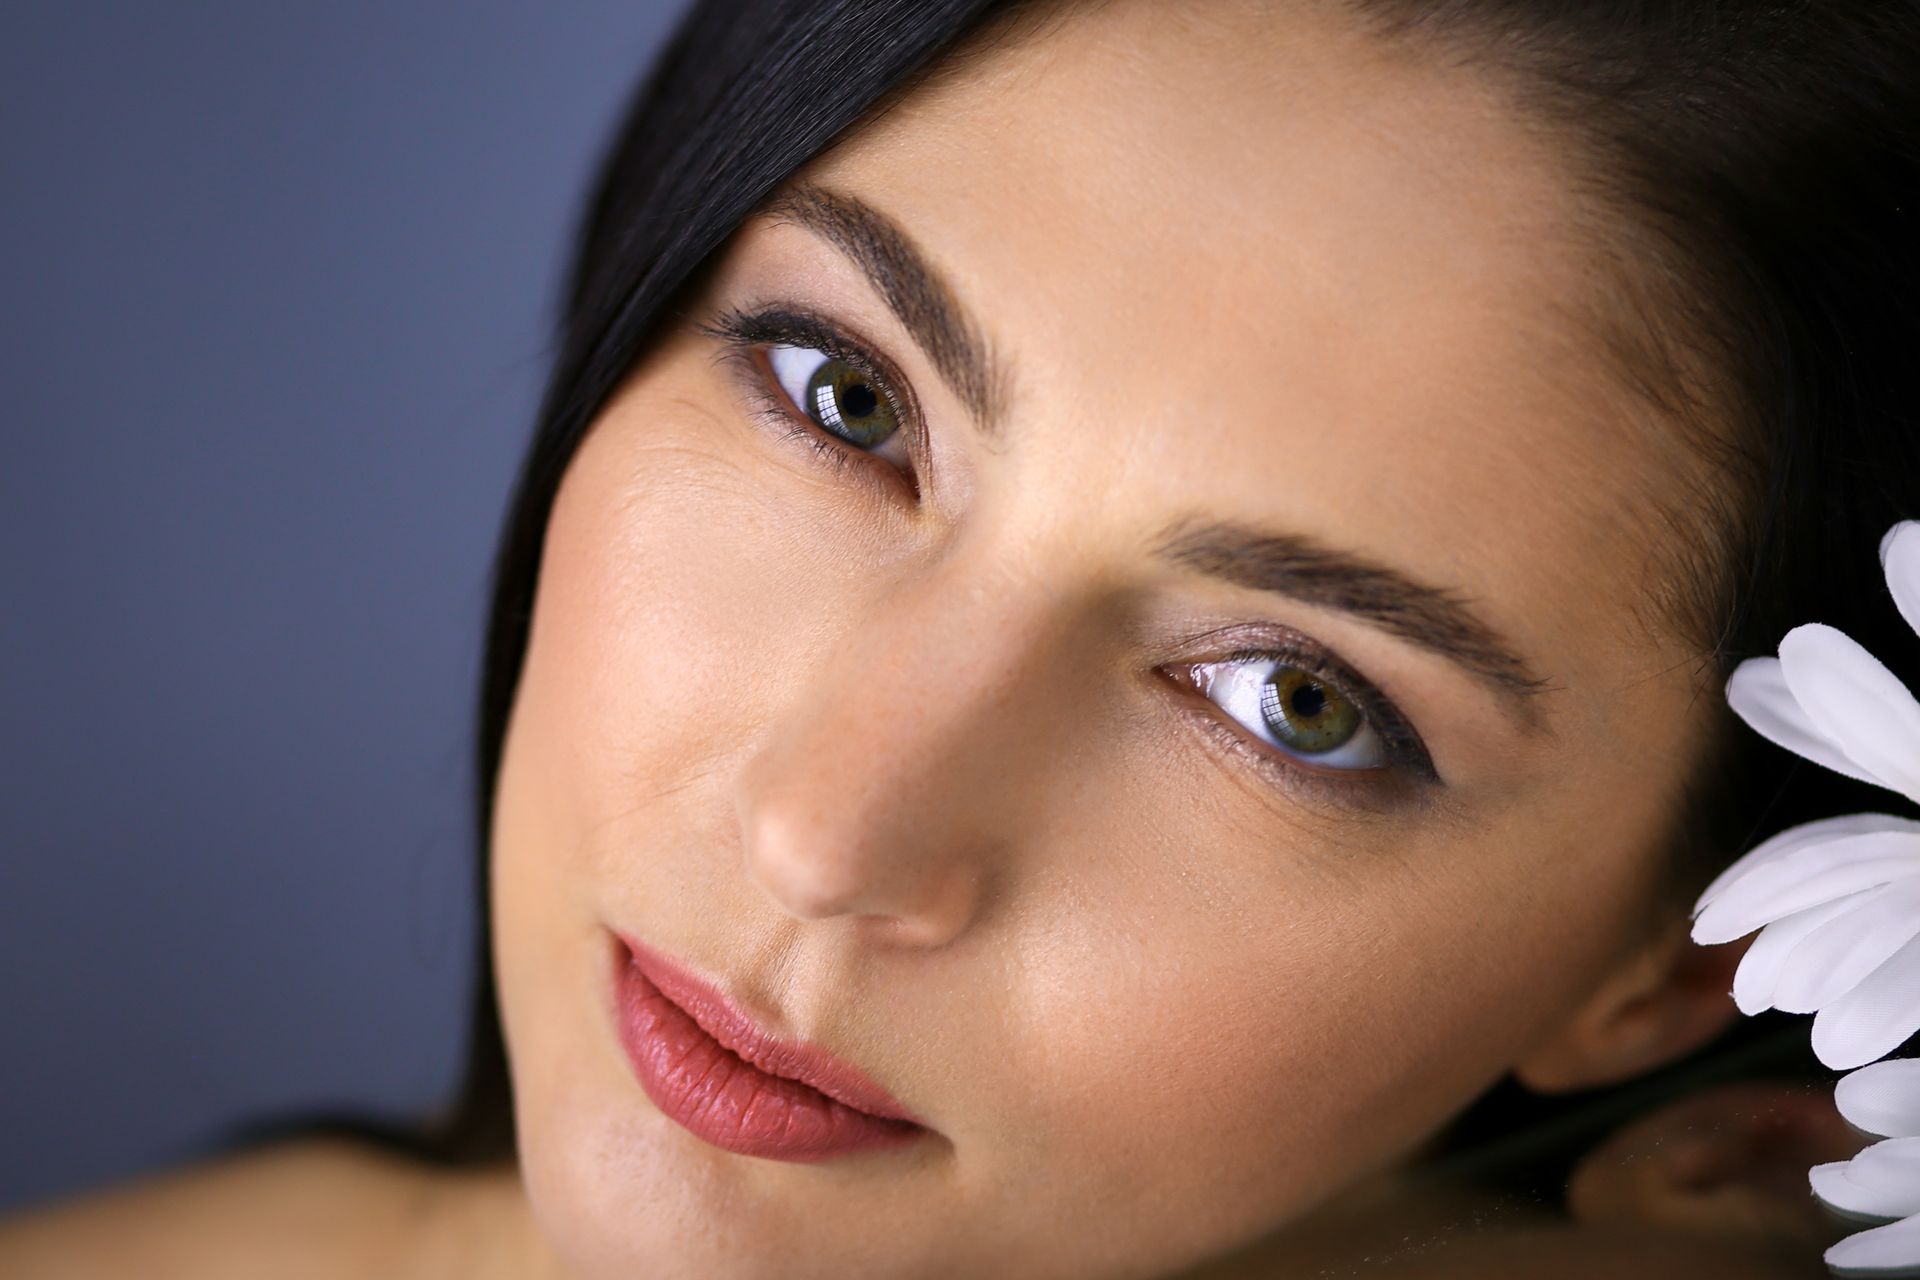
(1403, 744)
(744, 333)
(1402, 783)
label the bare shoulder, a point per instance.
(319, 1207)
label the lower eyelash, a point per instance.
(770, 411)
(777, 415)
(1401, 782)
(766, 406)
(1404, 749)
(1386, 793)
(744, 338)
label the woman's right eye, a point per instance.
(808, 384)
(837, 397)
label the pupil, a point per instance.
(1309, 700)
(858, 400)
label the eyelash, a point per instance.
(744, 336)
(1409, 765)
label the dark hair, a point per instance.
(1757, 160)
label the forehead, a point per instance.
(1245, 259)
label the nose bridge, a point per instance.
(890, 782)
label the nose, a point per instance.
(890, 785)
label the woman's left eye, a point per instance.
(840, 399)
(1293, 710)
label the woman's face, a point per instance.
(1118, 611)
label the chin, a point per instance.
(614, 1201)
(619, 1192)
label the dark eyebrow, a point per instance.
(912, 289)
(1429, 617)
(1434, 619)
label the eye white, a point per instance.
(793, 369)
(1235, 688)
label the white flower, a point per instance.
(1837, 902)
(1828, 699)
(1883, 1099)
(1883, 1181)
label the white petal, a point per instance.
(1881, 1182)
(1784, 842)
(1837, 956)
(1855, 703)
(1807, 877)
(1891, 1250)
(1757, 692)
(1874, 1018)
(1829, 1183)
(1883, 1098)
(1900, 557)
(1759, 972)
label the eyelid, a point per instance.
(746, 336)
(1410, 768)
(1274, 774)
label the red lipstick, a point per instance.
(712, 1070)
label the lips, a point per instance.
(712, 1070)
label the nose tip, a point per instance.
(821, 851)
(811, 874)
(893, 779)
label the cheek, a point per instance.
(685, 566)
(1231, 1068)
(667, 566)
(1170, 1037)
(667, 570)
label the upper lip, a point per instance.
(737, 1032)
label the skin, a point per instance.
(906, 774)
(899, 773)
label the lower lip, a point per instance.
(719, 1097)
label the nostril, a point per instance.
(946, 907)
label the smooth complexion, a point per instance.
(934, 750)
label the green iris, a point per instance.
(1305, 714)
(846, 402)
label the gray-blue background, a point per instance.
(277, 284)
